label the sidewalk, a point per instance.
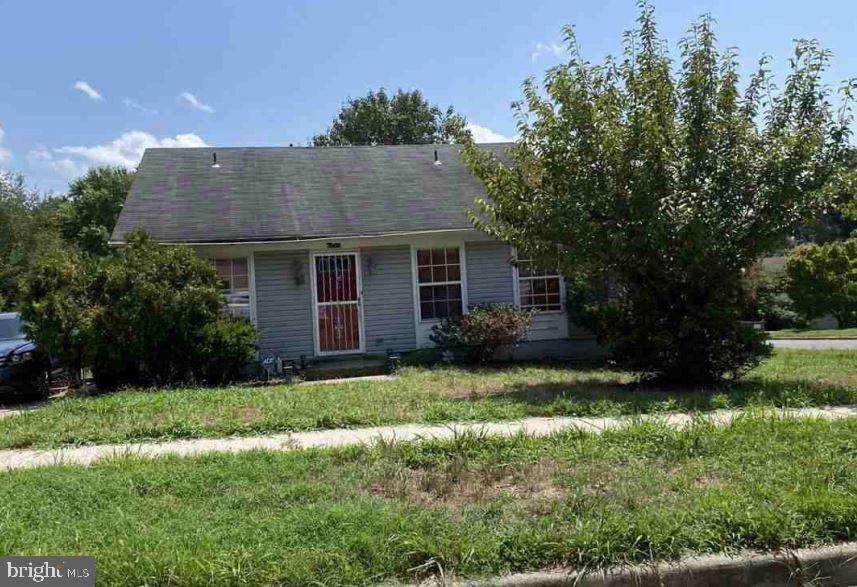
(842, 344)
(82, 455)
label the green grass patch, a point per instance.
(792, 378)
(806, 333)
(468, 507)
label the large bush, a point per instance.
(149, 314)
(225, 348)
(822, 279)
(666, 180)
(483, 331)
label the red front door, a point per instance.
(337, 295)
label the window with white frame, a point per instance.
(439, 282)
(538, 289)
(234, 285)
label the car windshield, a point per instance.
(10, 327)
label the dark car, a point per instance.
(23, 369)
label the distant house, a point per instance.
(334, 251)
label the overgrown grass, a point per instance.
(791, 378)
(469, 507)
(806, 333)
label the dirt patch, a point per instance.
(534, 390)
(247, 414)
(707, 480)
(529, 486)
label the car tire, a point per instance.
(40, 388)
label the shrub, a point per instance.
(57, 307)
(822, 279)
(483, 331)
(226, 347)
(148, 315)
(777, 310)
(769, 301)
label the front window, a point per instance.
(234, 285)
(439, 278)
(10, 327)
(538, 289)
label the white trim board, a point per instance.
(251, 266)
(546, 325)
(449, 238)
(422, 328)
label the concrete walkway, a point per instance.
(815, 343)
(15, 409)
(82, 455)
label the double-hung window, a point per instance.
(538, 289)
(439, 283)
(234, 285)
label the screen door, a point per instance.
(337, 297)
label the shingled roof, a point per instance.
(287, 193)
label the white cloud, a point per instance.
(5, 154)
(483, 134)
(134, 105)
(125, 151)
(190, 100)
(554, 49)
(84, 87)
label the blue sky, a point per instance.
(85, 83)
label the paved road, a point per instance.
(816, 344)
(82, 455)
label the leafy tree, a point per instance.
(839, 219)
(28, 225)
(95, 201)
(378, 119)
(822, 279)
(148, 314)
(665, 184)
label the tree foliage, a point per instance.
(148, 314)
(822, 279)
(666, 183)
(838, 219)
(95, 201)
(378, 119)
(28, 225)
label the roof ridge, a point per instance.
(328, 147)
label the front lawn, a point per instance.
(806, 333)
(467, 507)
(790, 378)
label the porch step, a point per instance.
(347, 366)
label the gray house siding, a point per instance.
(284, 312)
(283, 303)
(388, 299)
(489, 274)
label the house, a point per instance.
(349, 250)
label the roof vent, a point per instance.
(436, 160)
(214, 163)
